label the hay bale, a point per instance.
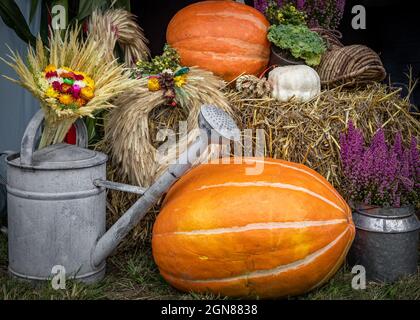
(308, 133)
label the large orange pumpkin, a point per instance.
(227, 38)
(280, 233)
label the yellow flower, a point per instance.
(50, 68)
(153, 84)
(180, 80)
(89, 81)
(65, 99)
(51, 93)
(87, 93)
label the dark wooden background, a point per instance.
(393, 30)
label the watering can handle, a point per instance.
(28, 140)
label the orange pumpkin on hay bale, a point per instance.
(279, 233)
(227, 38)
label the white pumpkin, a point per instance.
(299, 81)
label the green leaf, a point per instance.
(91, 128)
(86, 7)
(43, 30)
(299, 40)
(123, 4)
(34, 6)
(14, 19)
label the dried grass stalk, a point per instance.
(119, 26)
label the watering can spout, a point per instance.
(217, 127)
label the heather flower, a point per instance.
(261, 5)
(300, 4)
(380, 173)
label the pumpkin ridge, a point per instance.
(275, 271)
(307, 172)
(338, 264)
(229, 41)
(246, 17)
(224, 55)
(258, 226)
(273, 185)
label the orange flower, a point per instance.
(69, 75)
(65, 88)
(65, 99)
(80, 102)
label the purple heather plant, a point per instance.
(380, 174)
(321, 13)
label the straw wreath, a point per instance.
(70, 78)
(130, 130)
(119, 26)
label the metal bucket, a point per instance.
(386, 242)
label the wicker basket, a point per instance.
(350, 65)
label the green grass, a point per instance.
(135, 276)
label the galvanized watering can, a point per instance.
(57, 201)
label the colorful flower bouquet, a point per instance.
(68, 89)
(71, 79)
(380, 174)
